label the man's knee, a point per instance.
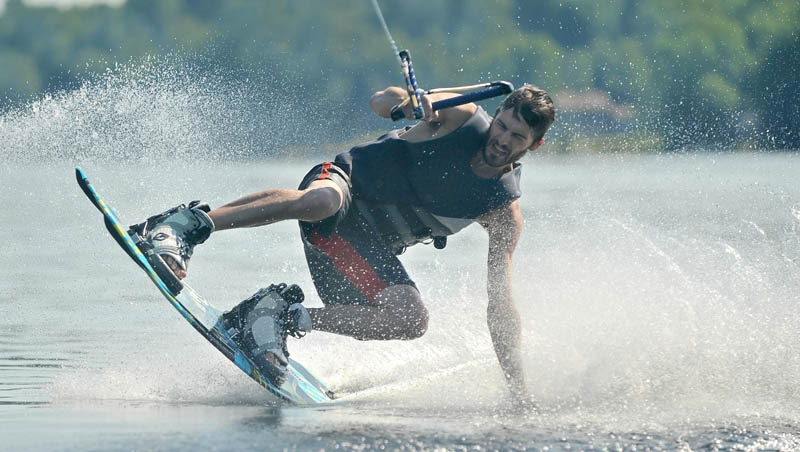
(410, 314)
(417, 321)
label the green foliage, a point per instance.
(687, 66)
(23, 81)
(775, 91)
(719, 92)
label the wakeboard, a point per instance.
(300, 387)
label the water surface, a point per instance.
(659, 299)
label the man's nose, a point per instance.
(504, 139)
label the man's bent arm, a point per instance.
(382, 102)
(504, 226)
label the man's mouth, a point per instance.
(499, 151)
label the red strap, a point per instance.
(325, 170)
(350, 263)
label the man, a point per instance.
(419, 184)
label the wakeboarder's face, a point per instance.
(510, 138)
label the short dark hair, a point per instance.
(533, 105)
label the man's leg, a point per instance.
(320, 200)
(396, 313)
(366, 290)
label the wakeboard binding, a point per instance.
(260, 325)
(173, 233)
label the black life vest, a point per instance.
(425, 191)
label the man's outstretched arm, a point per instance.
(504, 226)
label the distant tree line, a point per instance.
(710, 73)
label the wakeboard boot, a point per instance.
(260, 325)
(173, 233)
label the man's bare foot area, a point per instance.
(176, 269)
(272, 359)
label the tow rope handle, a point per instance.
(411, 87)
(494, 89)
(479, 92)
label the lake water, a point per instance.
(659, 295)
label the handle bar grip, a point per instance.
(411, 83)
(493, 91)
(496, 89)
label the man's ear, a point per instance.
(536, 145)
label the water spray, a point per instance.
(474, 93)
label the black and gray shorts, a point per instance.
(348, 260)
